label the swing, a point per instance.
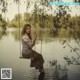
(21, 57)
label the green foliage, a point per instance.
(3, 6)
(40, 19)
(34, 19)
(65, 25)
(15, 21)
(2, 21)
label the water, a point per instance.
(52, 49)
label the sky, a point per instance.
(13, 8)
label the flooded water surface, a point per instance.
(50, 47)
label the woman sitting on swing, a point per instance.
(27, 51)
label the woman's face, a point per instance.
(28, 29)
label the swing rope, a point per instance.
(35, 20)
(42, 25)
(19, 28)
(35, 30)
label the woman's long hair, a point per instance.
(24, 30)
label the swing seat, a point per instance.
(22, 57)
(25, 58)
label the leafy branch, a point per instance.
(71, 60)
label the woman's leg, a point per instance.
(37, 60)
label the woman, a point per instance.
(27, 51)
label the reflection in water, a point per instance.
(3, 32)
(4, 28)
(52, 49)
